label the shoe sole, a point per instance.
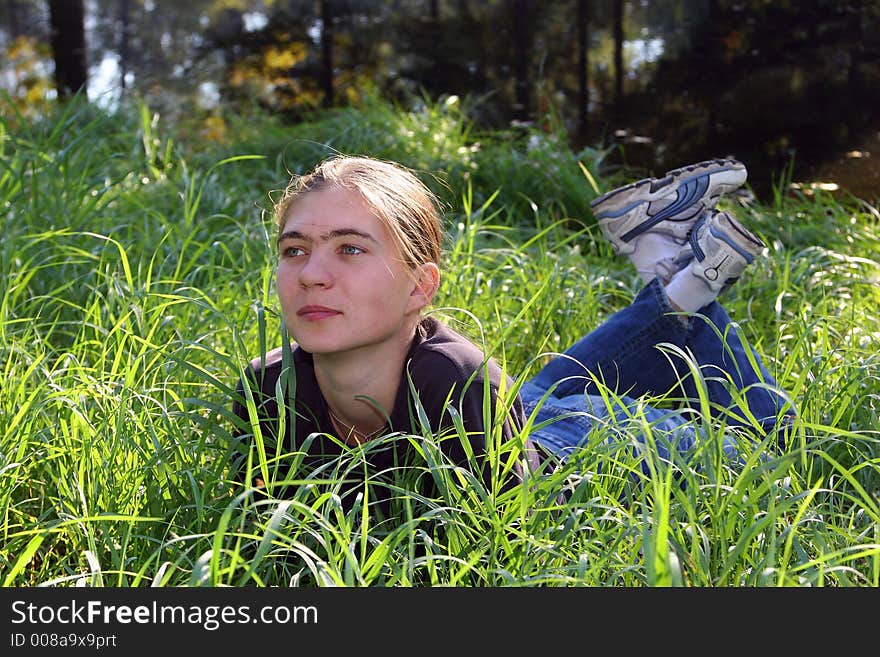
(688, 181)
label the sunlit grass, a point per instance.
(136, 284)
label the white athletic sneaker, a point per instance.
(720, 248)
(670, 205)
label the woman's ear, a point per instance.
(427, 281)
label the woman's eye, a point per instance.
(351, 249)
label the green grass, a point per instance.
(136, 283)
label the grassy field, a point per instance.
(136, 282)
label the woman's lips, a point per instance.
(316, 313)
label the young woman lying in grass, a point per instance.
(359, 252)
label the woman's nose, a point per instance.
(315, 271)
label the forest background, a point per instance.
(789, 87)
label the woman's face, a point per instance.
(340, 280)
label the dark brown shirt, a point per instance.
(444, 381)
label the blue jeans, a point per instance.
(644, 349)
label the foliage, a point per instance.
(437, 139)
(28, 83)
(774, 83)
(136, 282)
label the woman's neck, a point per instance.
(361, 387)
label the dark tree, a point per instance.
(11, 9)
(68, 42)
(713, 61)
(855, 81)
(326, 13)
(583, 75)
(124, 39)
(522, 54)
(617, 27)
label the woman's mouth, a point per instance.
(316, 313)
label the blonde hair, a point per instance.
(402, 202)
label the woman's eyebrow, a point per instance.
(293, 235)
(338, 232)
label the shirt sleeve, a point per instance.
(449, 400)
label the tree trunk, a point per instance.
(855, 80)
(522, 55)
(618, 56)
(326, 14)
(124, 37)
(712, 56)
(12, 19)
(68, 41)
(583, 37)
